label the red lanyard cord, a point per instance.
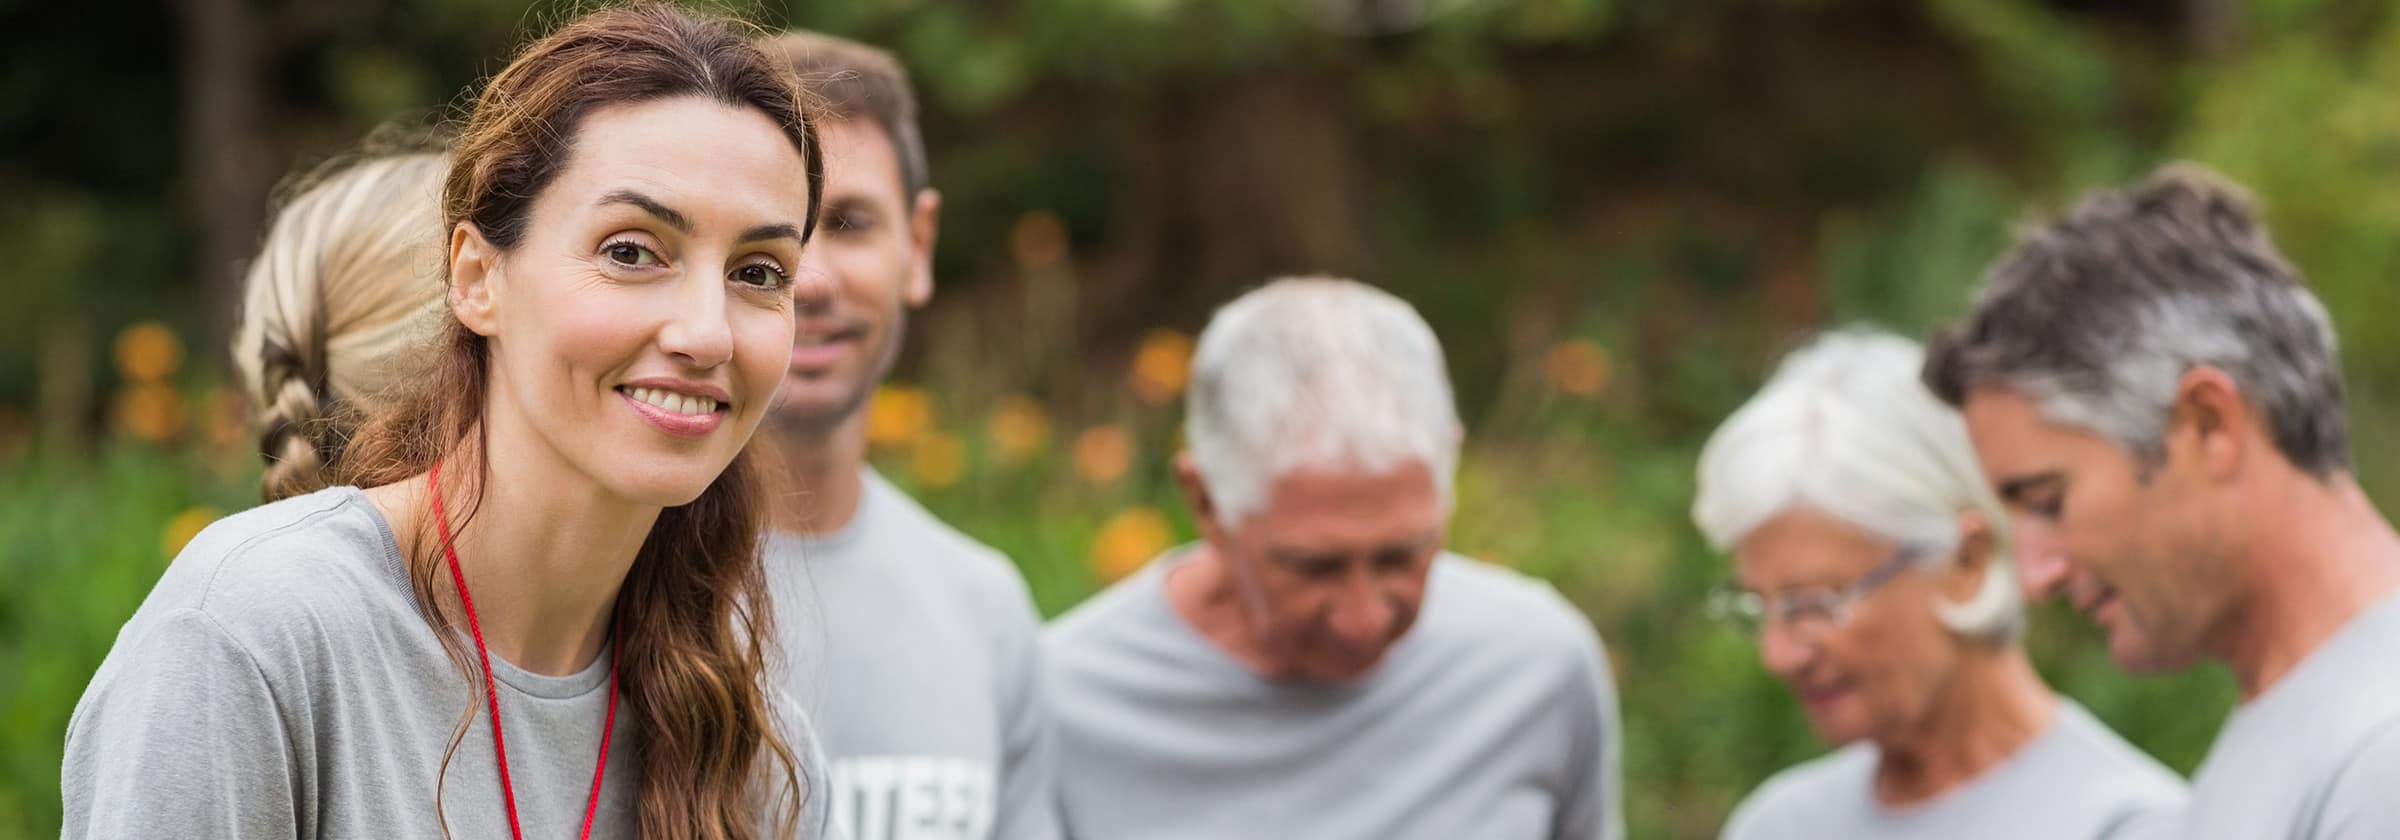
(491, 688)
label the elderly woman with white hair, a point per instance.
(1870, 560)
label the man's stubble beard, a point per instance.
(815, 427)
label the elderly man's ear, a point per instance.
(1195, 494)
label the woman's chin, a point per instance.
(666, 486)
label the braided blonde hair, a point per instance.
(338, 306)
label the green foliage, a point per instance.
(1916, 266)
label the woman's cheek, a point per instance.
(764, 341)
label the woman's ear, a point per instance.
(1978, 544)
(474, 265)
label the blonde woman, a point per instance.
(338, 307)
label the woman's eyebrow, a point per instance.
(649, 205)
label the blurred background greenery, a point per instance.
(1616, 213)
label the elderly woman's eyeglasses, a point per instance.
(1810, 611)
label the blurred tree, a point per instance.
(225, 170)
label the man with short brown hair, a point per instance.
(915, 645)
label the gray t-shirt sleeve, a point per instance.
(2364, 801)
(195, 747)
(1028, 796)
(1592, 805)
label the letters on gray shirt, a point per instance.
(916, 650)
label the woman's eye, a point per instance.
(758, 274)
(629, 254)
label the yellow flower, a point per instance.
(1128, 540)
(1038, 240)
(1018, 429)
(898, 414)
(938, 460)
(1578, 366)
(150, 411)
(1103, 454)
(185, 526)
(148, 352)
(1161, 366)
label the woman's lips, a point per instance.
(680, 415)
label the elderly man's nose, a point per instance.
(1362, 612)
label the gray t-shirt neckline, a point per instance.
(2075, 780)
(592, 677)
(1494, 717)
(1162, 568)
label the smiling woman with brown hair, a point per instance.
(1870, 562)
(529, 606)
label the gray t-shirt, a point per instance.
(2317, 756)
(2076, 781)
(916, 651)
(279, 682)
(1494, 718)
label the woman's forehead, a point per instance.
(1804, 547)
(691, 153)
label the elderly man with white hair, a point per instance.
(1317, 666)
(1871, 563)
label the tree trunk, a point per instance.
(225, 175)
(1232, 183)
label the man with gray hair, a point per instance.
(2154, 392)
(1316, 666)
